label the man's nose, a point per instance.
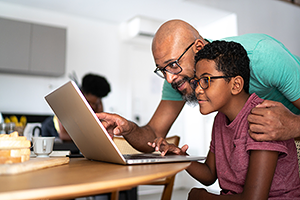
(170, 77)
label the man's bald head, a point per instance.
(178, 33)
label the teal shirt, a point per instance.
(274, 71)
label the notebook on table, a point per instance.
(89, 134)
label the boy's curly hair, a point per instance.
(230, 57)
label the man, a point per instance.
(276, 73)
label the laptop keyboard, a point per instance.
(142, 156)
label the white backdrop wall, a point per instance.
(277, 18)
(92, 46)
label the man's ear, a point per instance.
(237, 85)
(199, 44)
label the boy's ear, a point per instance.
(237, 85)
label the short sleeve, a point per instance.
(280, 146)
(278, 68)
(169, 93)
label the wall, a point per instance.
(276, 18)
(89, 49)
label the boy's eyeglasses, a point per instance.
(204, 82)
(173, 67)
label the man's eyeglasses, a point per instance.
(204, 82)
(173, 67)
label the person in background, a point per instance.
(275, 76)
(94, 88)
(245, 168)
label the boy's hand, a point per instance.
(160, 144)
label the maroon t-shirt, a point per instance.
(232, 144)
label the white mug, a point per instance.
(42, 146)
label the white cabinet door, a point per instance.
(27, 48)
(48, 50)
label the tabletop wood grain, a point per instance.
(82, 177)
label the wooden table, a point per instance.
(82, 177)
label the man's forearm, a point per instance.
(140, 136)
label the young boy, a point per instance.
(245, 169)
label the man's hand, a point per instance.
(115, 124)
(160, 144)
(273, 121)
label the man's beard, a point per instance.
(190, 98)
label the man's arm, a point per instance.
(159, 125)
(273, 121)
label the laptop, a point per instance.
(89, 134)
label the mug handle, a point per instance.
(40, 130)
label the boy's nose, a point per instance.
(199, 90)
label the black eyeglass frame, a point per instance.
(164, 69)
(195, 82)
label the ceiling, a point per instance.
(117, 11)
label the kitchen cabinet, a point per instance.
(28, 48)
